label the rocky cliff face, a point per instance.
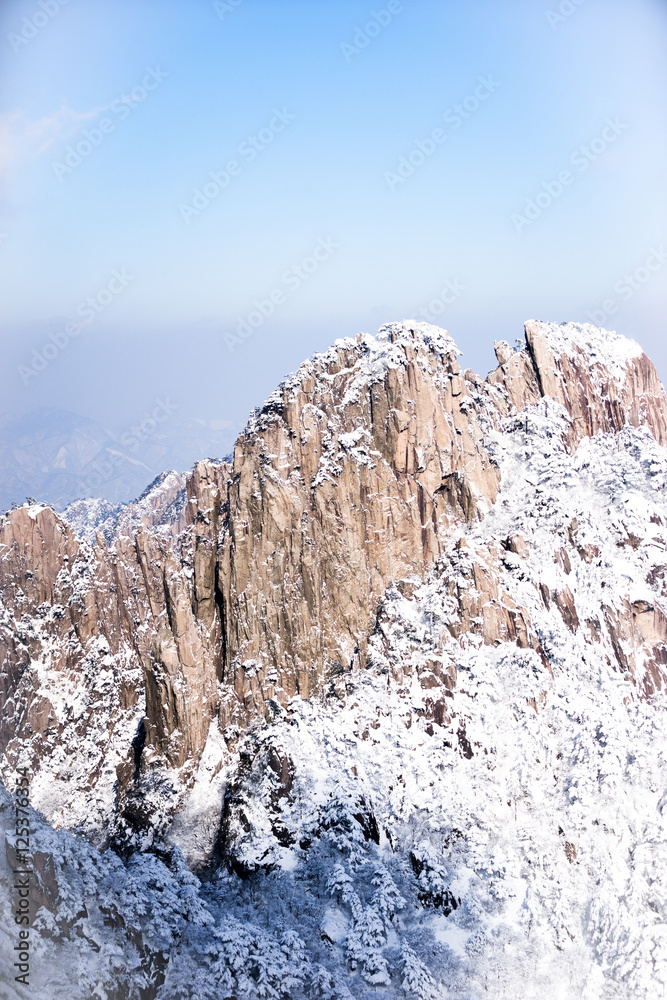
(604, 382)
(393, 682)
(222, 596)
(355, 472)
(350, 477)
(112, 652)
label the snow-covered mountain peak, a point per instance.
(393, 685)
(352, 364)
(436, 338)
(584, 342)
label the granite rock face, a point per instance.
(603, 384)
(111, 652)
(351, 476)
(224, 594)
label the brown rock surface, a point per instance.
(573, 370)
(262, 579)
(351, 477)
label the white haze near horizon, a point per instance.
(352, 119)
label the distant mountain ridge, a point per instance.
(56, 456)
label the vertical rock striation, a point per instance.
(351, 476)
(247, 583)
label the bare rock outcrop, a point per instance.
(603, 381)
(350, 477)
(219, 595)
(105, 648)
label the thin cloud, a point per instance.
(22, 139)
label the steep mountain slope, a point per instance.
(82, 627)
(392, 684)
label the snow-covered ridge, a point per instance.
(474, 809)
(92, 514)
(406, 332)
(511, 845)
(395, 343)
(601, 347)
(160, 506)
(375, 355)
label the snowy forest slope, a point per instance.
(479, 809)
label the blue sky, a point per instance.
(335, 105)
